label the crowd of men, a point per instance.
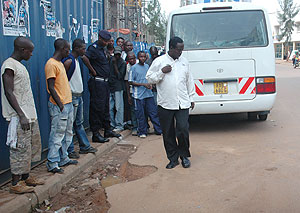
(123, 95)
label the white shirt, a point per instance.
(128, 73)
(22, 91)
(126, 77)
(124, 55)
(76, 79)
(174, 89)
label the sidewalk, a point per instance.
(54, 182)
(279, 61)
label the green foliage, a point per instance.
(156, 22)
(286, 20)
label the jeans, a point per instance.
(61, 135)
(116, 102)
(78, 128)
(133, 116)
(147, 107)
(155, 97)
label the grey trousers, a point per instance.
(28, 149)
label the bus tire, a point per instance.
(263, 117)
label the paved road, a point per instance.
(237, 166)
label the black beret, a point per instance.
(104, 34)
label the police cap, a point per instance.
(104, 34)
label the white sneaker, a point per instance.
(117, 130)
(142, 136)
(134, 133)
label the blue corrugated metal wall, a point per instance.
(65, 10)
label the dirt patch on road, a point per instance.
(86, 193)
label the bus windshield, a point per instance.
(230, 29)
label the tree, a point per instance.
(156, 22)
(286, 21)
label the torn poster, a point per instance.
(94, 26)
(15, 17)
(59, 30)
(85, 31)
(49, 17)
(74, 27)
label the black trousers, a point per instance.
(175, 125)
(127, 111)
(99, 105)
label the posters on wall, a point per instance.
(94, 26)
(15, 17)
(16, 21)
(49, 17)
(59, 30)
(74, 28)
(85, 32)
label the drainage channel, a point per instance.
(86, 192)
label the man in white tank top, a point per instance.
(18, 108)
(75, 79)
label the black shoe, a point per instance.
(110, 133)
(157, 133)
(172, 164)
(185, 162)
(57, 170)
(71, 162)
(89, 150)
(73, 155)
(98, 138)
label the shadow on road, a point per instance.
(224, 122)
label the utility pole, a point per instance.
(118, 18)
(138, 19)
(130, 28)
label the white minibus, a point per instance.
(230, 50)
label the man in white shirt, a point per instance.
(131, 60)
(18, 108)
(128, 46)
(175, 90)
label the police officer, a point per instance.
(99, 89)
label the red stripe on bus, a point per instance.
(201, 81)
(254, 90)
(246, 86)
(198, 91)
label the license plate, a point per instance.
(221, 88)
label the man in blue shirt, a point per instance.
(143, 97)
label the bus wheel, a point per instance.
(252, 116)
(263, 117)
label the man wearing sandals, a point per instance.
(18, 108)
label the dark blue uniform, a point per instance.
(99, 88)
